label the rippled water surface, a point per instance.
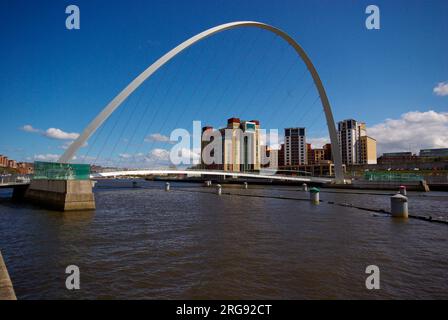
(145, 243)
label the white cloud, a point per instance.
(413, 131)
(157, 137)
(29, 128)
(156, 157)
(159, 157)
(158, 154)
(125, 155)
(56, 133)
(188, 156)
(441, 89)
(53, 133)
(318, 143)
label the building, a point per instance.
(3, 161)
(392, 158)
(323, 169)
(12, 164)
(295, 147)
(315, 156)
(281, 156)
(368, 150)
(25, 168)
(240, 146)
(441, 152)
(207, 133)
(396, 154)
(309, 153)
(19, 167)
(327, 152)
(355, 149)
(318, 155)
(269, 157)
(348, 137)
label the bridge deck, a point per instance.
(212, 173)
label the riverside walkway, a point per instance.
(6, 288)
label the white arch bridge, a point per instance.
(230, 174)
(126, 92)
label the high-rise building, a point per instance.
(368, 150)
(355, 146)
(295, 147)
(240, 146)
(348, 137)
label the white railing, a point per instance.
(209, 172)
(14, 179)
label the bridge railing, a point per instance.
(264, 171)
(147, 172)
(11, 179)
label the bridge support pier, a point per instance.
(63, 195)
(18, 193)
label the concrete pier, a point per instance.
(6, 288)
(63, 195)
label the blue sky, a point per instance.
(55, 78)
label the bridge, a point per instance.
(77, 194)
(11, 181)
(221, 173)
(138, 81)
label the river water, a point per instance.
(189, 243)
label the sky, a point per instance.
(54, 81)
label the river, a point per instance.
(190, 243)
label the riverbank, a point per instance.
(6, 288)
